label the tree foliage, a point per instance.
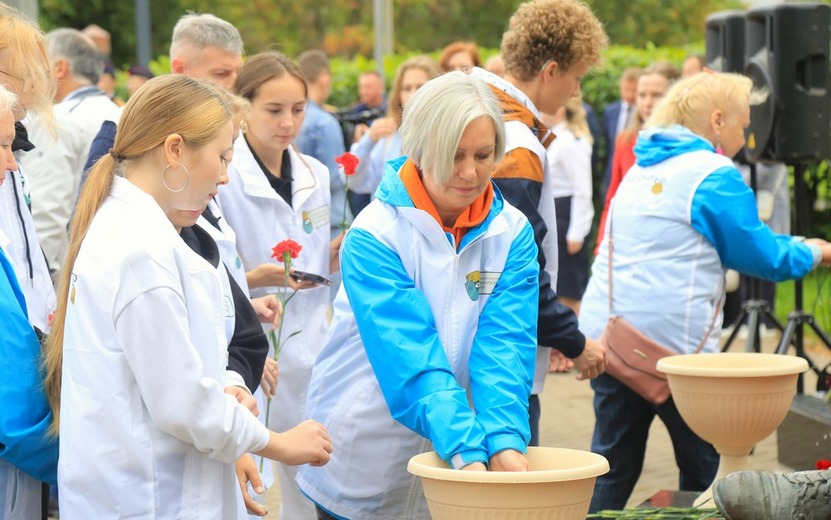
(116, 17)
(344, 27)
(641, 22)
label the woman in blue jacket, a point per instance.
(681, 216)
(433, 338)
(28, 454)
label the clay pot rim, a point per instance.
(690, 365)
(598, 465)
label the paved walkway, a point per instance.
(568, 422)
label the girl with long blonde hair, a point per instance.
(135, 365)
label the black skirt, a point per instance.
(573, 270)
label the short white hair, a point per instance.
(437, 115)
(8, 100)
(205, 30)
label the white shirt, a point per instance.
(623, 116)
(570, 161)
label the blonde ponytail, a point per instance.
(95, 191)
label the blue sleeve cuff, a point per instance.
(817, 253)
(497, 443)
(465, 458)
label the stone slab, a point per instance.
(805, 435)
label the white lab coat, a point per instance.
(19, 242)
(146, 429)
(55, 166)
(226, 242)
(261, 218)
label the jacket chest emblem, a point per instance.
(480, 283)
(315, 218)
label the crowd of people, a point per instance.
(143, 249)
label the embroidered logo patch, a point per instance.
(480, 282)
(315, 218)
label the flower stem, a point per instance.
(277, 338)
(267, 410)
(343, 224)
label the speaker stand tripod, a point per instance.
(754, 308)
(793, 334)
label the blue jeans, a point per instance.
(622, 420)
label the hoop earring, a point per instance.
(164, 180)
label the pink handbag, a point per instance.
(631, 356)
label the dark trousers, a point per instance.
(622, 420)
(534, 412)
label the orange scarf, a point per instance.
(470, 217)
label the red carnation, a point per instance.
(349, 161)
(286, 251)
(823, 464)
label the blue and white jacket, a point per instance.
(681, 216)
(28, 454)
(431, 347)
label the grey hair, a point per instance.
(205, 30)
(80, 52)
(8, 100)
(437, 115)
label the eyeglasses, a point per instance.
(11, 75)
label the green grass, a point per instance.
(815, 298)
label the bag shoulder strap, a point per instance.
(611, 246)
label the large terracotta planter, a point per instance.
(732, 400)
(558, 487)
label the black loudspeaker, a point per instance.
(724, 37)
(787, 48)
